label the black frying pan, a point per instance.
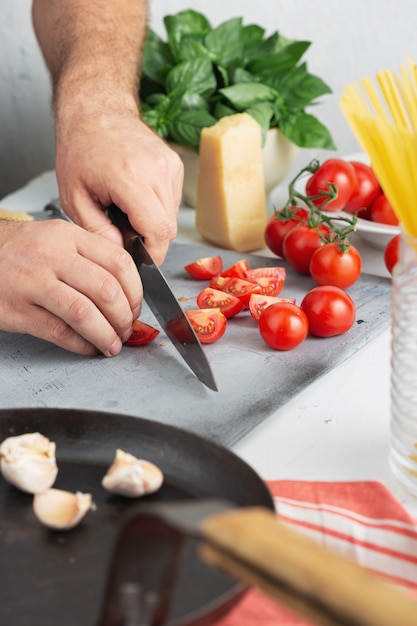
(49, 578)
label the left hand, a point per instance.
(115, 158)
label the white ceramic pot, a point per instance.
(279, 155)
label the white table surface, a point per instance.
(337, 428)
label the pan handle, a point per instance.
(254, 546)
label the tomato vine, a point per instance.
(339, 227)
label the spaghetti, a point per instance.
(384, 119)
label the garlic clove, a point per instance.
(28, 462)
(61, 510)
(132, 477)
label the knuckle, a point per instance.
(61, 332)
(110, 289)
(121, 260)
(79, 310)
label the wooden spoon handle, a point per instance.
(254, 546)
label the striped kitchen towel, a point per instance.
(362, 521)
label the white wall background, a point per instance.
(350, 39)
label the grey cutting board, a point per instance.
(153, 382)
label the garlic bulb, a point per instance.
(61, 510)
(132, 477)
(28, 462)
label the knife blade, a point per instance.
(162, 302)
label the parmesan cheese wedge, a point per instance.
(231, 199)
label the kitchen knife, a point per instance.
(163, 302)
(252, 545)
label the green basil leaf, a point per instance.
(262, 113)
(252, 34)
(186, 127)
(156, 58)
(260, 49)
(221, 109)
(300, 88)
(241, 75)
(195, 76)
(281, 61)
(245, 95)
(194, 101)
(185, 25)
(225, 42)
(306, 131)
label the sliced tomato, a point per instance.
(218, 282)
(228, 304)
(141, 334)
(205, 268)
(242, 289)
(237, 270)
(209, 324)
(258, 303)
(271, 279)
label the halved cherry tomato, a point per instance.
(270, 279)
(338, 172)
(330, 311)
(205, 268)
(299, 245)
(218, 282)
(141, 334)
(236, 270)
(242, 289)
(209, 324)
(381, 211)
(391, 253)
(367, 190)
(283, 326)
(228, 304)
(330, 265)
(258, 302)
(277, 227)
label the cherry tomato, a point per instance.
(218, 282)
(205, 268)
(339, 172)
(236, 270)
(283, 326)
(242, 289)
(209, 324)
(277, 228)
(368, 188)
(299, 245)
(228, 304)
(329, 309)
(141, 334)
(258, 302)
(382, 211)
(270, 279)
(391, 253)
(331, 266)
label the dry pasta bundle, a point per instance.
(384, 120)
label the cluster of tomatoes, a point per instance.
(336, 185)
(324, 311)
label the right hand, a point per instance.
(63, 284)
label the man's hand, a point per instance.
(116, 158)
(67, 286)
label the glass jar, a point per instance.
(403, 427)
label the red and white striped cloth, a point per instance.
(361, 520)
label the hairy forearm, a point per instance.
(92, 49)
